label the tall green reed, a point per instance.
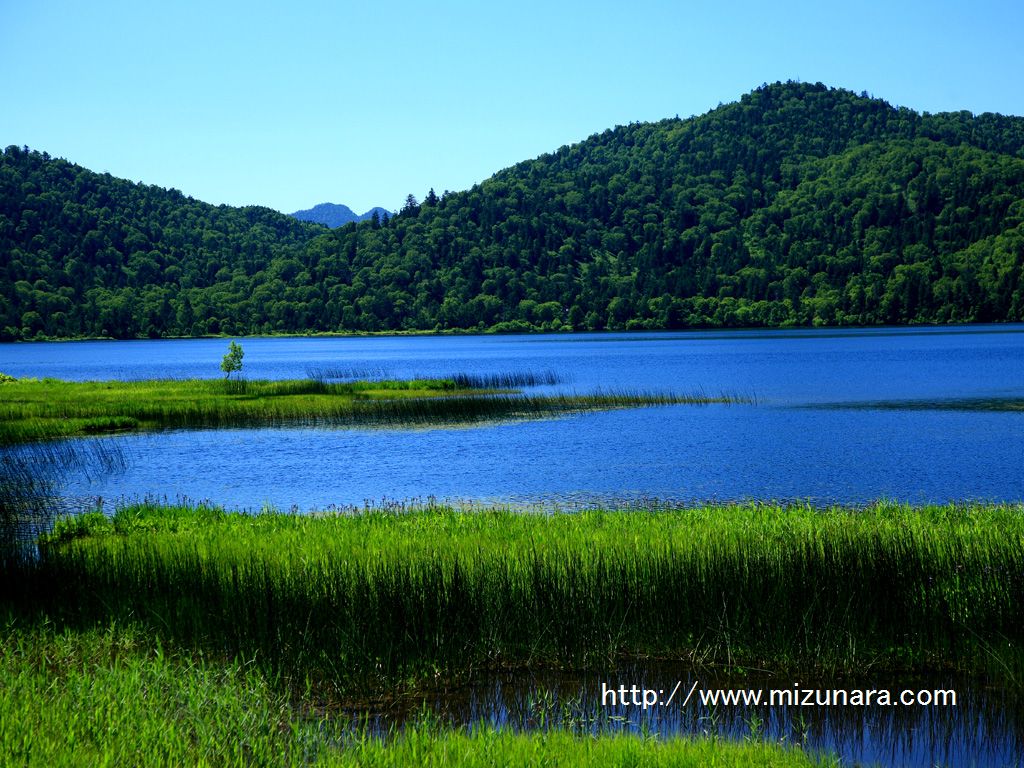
(369, 599)
(30, 476)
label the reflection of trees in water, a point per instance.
(985, 728)
(30, 480)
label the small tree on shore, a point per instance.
(232, 360)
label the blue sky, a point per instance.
(250, 103)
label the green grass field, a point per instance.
(170, 635)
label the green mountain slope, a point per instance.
(88, 254)
(797, 205)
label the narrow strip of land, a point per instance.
(47, 409)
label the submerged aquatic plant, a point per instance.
(995, 404)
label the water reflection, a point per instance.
(984, 728)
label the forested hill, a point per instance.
(85, 254)
(797, 205)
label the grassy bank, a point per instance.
(113, 697)
(369, 600)
(47, 409)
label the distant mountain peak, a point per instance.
(335, 214)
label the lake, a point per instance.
(844, 416)
(837, 416)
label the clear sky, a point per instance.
(288, 105)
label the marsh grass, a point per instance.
(501, 380)
(55, 409)
(366, 601)
(508, 380)
(112, 696)
(346, 373)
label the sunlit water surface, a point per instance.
(788, 445)
(838, 417)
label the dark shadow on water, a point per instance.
(984, 728)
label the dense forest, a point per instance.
(798, 205)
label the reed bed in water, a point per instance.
(29, 476)
(359, 601)
(505, 380)
(113, 697)
(32, 410)
(349, 373)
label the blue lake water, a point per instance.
(819, 430)
(788, 445)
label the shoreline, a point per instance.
(449, 332)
